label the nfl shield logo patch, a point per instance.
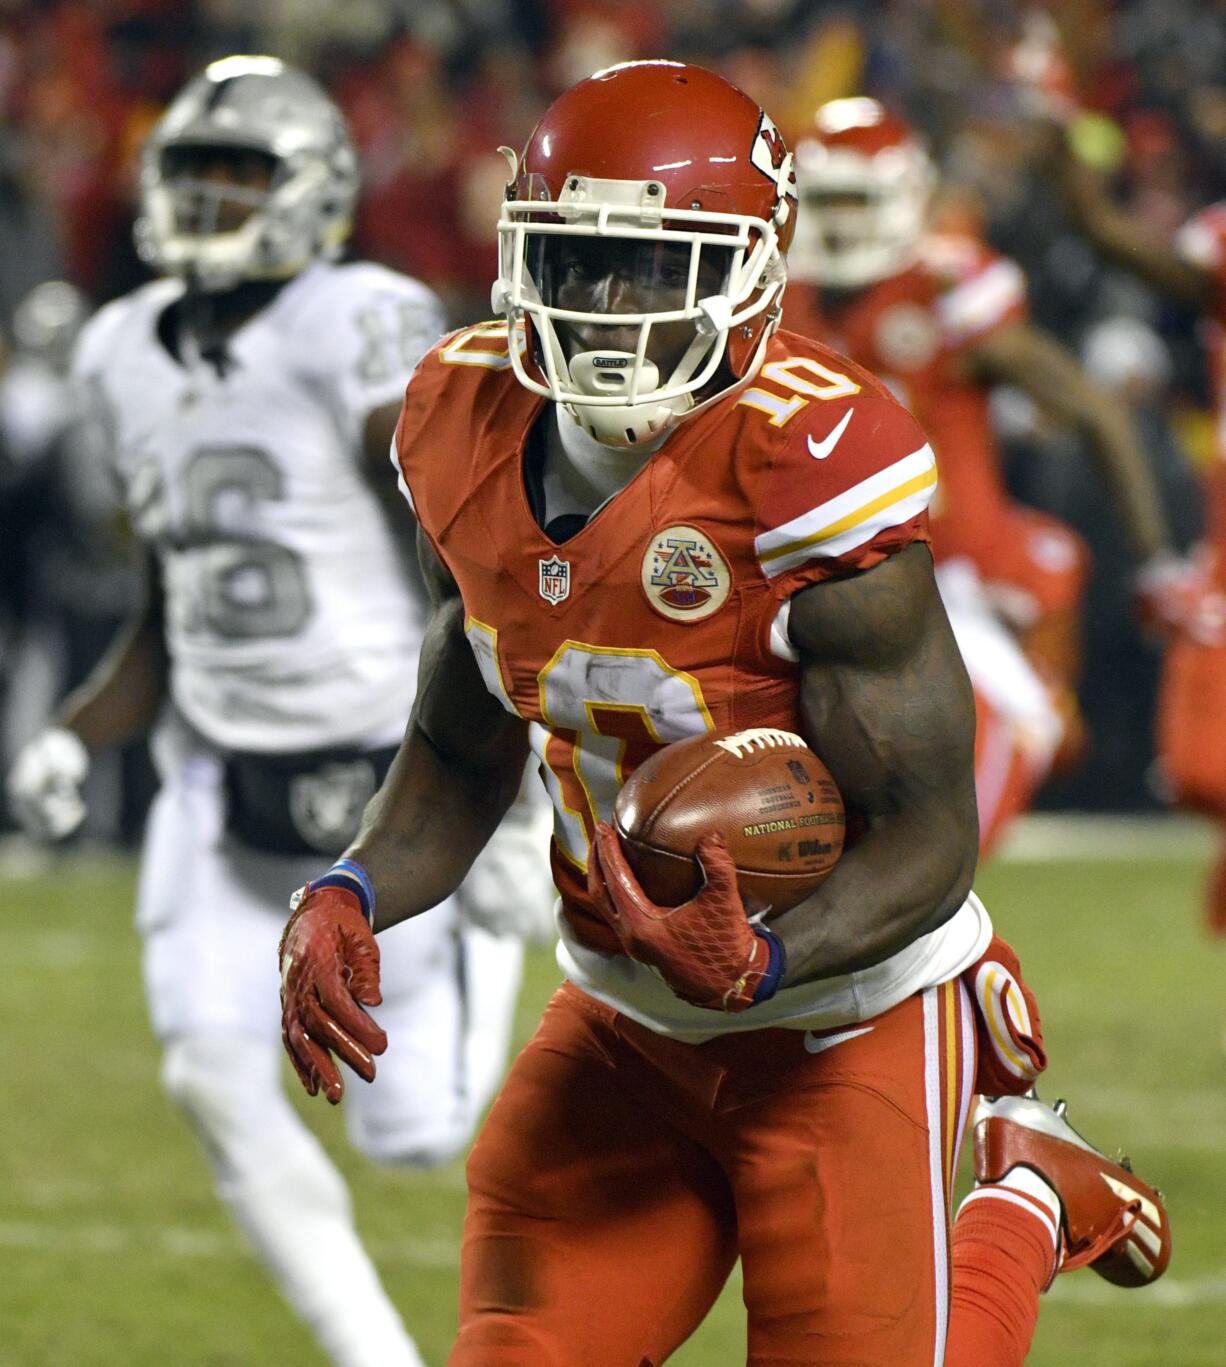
(555, 580)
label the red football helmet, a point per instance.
(643, 231)
(865, 182)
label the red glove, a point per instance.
(1175, 594)
(329, 964)
(706, 950)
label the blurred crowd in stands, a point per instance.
(432, 87)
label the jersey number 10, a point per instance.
(602, 711)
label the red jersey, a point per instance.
(913, 330)
(664, 617)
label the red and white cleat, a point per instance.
(1110, 1219)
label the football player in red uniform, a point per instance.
(1192, 702)
(941, 318)
(647, 514)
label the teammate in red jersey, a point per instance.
(942, 318)
(647, 514)
(1192, 701)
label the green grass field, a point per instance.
(113, 1250)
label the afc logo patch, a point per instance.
(684, 576)
(554, 583)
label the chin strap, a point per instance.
(605, 373)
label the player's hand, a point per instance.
(44, 784)
(329, 971)
(1174, 595)
(706, 950)
(509, 890)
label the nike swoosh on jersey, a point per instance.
(818, 1044)
(819, 450)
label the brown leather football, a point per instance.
(762, 789)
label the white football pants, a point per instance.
(211, 912)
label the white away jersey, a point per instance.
(290, 623)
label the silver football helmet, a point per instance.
(214, 228)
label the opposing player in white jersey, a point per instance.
(250, 397)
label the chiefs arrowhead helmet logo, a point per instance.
(769, 154)
(774, 142)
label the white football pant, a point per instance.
(211, 912)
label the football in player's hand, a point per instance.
(762, 789)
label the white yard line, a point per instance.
(1044, 837)
(184, 1241)
(22, 859)
(60, 949)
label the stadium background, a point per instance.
(432, 87)
(111, 1243)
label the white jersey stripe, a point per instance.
(947, 1107)
(401, 483)
(887, 499)
(934, 1107)
(893, 515)
(982, 300)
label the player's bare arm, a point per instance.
(1044, 368)
(887, 704)
(120, 700)
(377, 433)
(122, 696)
(1117, 233)
(380, 474)
(457, 772)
